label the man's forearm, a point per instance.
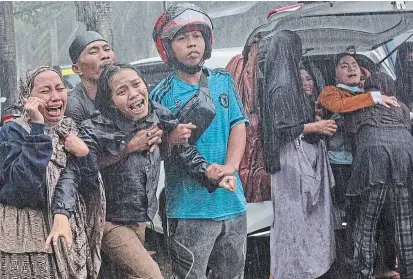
(236, 145)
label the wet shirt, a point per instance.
(29, 157)
(131, 183)
(24, 158)
(185, 197)
(79, 106)
(380, 116)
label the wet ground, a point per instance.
(256, 267)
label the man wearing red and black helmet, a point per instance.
(205, 229)
(174, 20)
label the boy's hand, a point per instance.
(61, 228)
(216, 171)
(181, 134)
(229, 183)
(76, 146)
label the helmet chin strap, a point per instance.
(177, 65)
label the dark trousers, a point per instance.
(399, 207)
(346, 205)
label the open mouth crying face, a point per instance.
(348, 71)
(129, 94)
(49, 87)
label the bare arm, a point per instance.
(235, 152)
(236, 146)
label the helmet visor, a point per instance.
(188, 17)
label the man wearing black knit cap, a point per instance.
(89, 53)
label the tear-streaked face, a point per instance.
(129, 94)
(49, 87)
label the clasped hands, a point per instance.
(223, 173)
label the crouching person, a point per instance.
(131, 181)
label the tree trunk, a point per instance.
(97, 16)
(54, 44)
(8, 77)
(104, 20)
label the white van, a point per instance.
(326, 28)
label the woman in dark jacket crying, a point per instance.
(302, 235)
(39, 199)
(131, 174)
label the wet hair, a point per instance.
(103, 101)
(382, 82)
(338, 57)
(26, 81)
(404, 73)
(307, 68)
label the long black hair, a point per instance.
(306, 67)
(103, 101)
(382, 82)
(404, 74)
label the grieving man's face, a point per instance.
(92, 60)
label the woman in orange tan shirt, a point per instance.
(380, 170)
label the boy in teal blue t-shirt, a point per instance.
(205, 228)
